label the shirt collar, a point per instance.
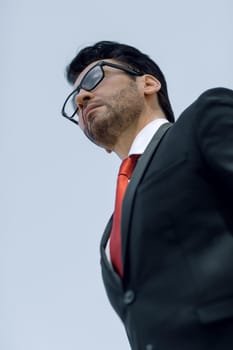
(144, 137)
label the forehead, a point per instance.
(81, 75)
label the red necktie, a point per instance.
(125, 172)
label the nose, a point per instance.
(83, 98)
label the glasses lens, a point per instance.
(89, 82)
(92, 78)
(70, 106)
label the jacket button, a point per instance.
(129, 297)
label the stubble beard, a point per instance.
(121, 111)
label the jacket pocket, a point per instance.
(216, 311)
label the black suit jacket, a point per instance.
(177, 235)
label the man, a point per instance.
(172, 282)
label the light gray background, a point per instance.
(57, 189)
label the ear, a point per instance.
(151, 84)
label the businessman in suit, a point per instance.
(172, 285)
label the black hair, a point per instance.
(125, 54)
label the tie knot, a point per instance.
(128, 165)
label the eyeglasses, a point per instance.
(90, 80)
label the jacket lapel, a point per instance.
(136, 177)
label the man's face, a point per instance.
(112, 107)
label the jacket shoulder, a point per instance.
(207, 101)
(217, 94)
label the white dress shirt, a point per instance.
(144, 137)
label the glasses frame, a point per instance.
(101, 64)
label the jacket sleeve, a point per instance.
(215, 132)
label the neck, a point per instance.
(125, 141)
